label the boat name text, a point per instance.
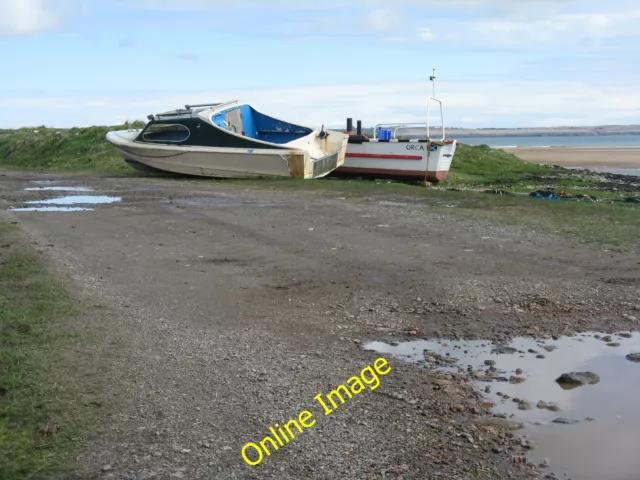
(356, 385)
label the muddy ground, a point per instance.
(224, 309)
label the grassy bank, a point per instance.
(58, 149)
(40, 418)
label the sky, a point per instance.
(499, 63)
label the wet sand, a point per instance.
(612, 157)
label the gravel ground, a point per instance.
(225, 310)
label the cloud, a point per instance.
(189, 57)
(573, 27)
(383, 20)
(126, 42)
(427, 35)
(469, 104)
(21, 18)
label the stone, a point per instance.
(489, 363)
(613, 344)
(576, 379)
(633, 357)
(504, 350)
(566, 421)
(499, 422)
(541, 404)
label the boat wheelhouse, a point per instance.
(229, 140)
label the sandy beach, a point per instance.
(612, 157)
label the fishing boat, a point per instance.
(402, 151)
(229, 140)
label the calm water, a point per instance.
(559, 141)
(604, 442)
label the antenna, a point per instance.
(433, 80)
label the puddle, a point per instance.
(51, 209)
(605, 447)
(76, 199)
(61, 189)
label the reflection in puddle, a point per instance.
(76, 199)
(61, 189)
(51, 209)
(605, 440)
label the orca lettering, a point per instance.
(415, 147)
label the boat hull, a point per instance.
(397, 159)
(232, 162)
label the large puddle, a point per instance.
(600, 434)
(59, 202)
(76, 200)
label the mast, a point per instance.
(433, 81)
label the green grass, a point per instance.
(58, 149)
(40, 418)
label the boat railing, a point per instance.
(399, 126)
(218, 104)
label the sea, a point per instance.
(555, 141)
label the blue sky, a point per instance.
(499, 63)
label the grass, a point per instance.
(41, 420)
(58, 149)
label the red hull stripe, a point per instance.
(390, 157)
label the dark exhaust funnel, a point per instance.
(359, 127)
(349, 125)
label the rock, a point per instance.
(504, 350)
(545, 463)
(566, 421)
(518, 371)
(576, 379)
(625, 335)
(523, 405)
(606, 338)
(633, 357)
(549, 348)
(541, 404)
(514, 379)
(613, 344)
(499, 422)
(489, 363)
(553, 407)
(106, 468)
(540, 356)
(497, 450)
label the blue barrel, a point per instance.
(384, 135)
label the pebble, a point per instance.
(106, 468)
(613, 344)
(489, 362)
(541, 404)
(633, 357)
(540, 356)
(566, 421)
(518, 371)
